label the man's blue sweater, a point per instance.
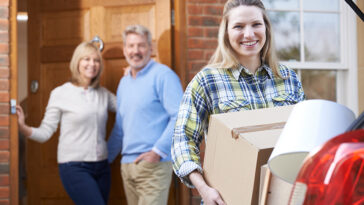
(147, 108)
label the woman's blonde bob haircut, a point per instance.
(82, 50)
(225, 56)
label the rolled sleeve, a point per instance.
(189, 131)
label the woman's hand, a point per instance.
(209, 195)
(20, 113)
(23, 128)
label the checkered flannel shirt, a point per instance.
(214, 91)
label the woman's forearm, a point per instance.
(25, 130)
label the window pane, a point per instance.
(322, 37)
(321, 5)
(319, 84)
(286, 27)
(281, 4)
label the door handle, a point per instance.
(97, 39)
(34, 86)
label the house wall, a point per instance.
(360, 36)
(4, 102)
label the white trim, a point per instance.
(314, 66)
(351, 84)
(302, 34)
(343, 35)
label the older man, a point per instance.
(148, 99)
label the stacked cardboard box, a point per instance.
(237, 145)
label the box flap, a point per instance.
(263, 139)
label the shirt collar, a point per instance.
(236, 72)
(80, 88)
(145, 68)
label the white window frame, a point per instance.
(347, 68)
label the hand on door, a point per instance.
(23, 128)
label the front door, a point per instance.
(56, 27)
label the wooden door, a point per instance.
(56, 27)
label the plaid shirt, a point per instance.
(214, 91)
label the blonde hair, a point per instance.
(82, 50)
(224, 55)
(138, 29)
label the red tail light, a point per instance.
(334, 175)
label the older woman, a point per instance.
(243, 74)
(82, 108)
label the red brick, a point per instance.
(4, 36)
(4, 24)
(194, 9)
(4, 48)
(195, 43)
(4, 108)
(4, 96)
(4, 12)
(4, 120)
(4, 72)
(196, 66)
(4, 84)
(195, 55)
(213, 10)
(195, 32)
(4, 157)
(202, 43)
(4, 192)
(195, 20)
(210, 21)
(4, 202)
(4, 145)
(4, 60)
(210, 43)
(191, 74)
(4, 180)
(211, 32)
(208, 54)
(4, 132)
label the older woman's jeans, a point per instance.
(87, 183)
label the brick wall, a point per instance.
(4, 103)
(202, 18)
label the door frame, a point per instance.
(13, 129)
(179, 58)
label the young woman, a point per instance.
(243, 74)
(82, 108)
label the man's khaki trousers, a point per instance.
(146, 183)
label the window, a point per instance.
(317, 38)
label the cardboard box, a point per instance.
(273, 190)
(237, 145)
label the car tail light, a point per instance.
(334, 174)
